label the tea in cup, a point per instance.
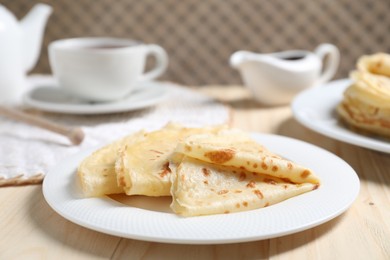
(103, 69)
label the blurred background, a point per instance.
(200, 36)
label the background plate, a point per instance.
(316, 109)
(153, 221)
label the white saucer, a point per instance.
(51, 98)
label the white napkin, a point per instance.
(27, 152)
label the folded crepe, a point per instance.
(142, 166)
(378, 63)
(97, 171)
(366, 102)
(234, 172)
(230, 172)
(235, 148)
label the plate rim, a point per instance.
(349, 136)
(159, 90)
(63, 208)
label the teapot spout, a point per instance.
(33, 25)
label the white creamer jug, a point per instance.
(275, 78)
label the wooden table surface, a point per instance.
(30, 229)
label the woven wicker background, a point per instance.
(200, 36)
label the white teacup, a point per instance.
(103, 69)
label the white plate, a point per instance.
(54, 99)
(316, 109)
(150, 218)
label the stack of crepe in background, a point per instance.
(366, 103)
(209, 170)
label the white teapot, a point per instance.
(20, 45)
(275, 78)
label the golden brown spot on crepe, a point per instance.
(269, 181)
(264, 166)
(222, 192)
(227, 212)
(122, 181)
(266, 204)
(289, 166)
(165, 170)
(220, 156)
(242, 176)
(274, 168)
(187, 148)
(375, 111)
(255, 165)
(258, 194)
(245, 204)
(248, 163)
(285, 186)
(254, 173)
(242, 168)
(206, 182)
(316, 186)
(379, 64)
(251, 184)
(206, 172)
(305, 173)
(238, 205)
(286, 180)
(155, 151)
(237, 191)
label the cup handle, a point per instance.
(334, 58)
(161, 62)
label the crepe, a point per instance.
(378, 63)
(366, 102)
(228, 172)
(200, 188)
(142, 167)
(97, 171)
(235, 148)
(234, 173)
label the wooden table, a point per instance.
(30, 229)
